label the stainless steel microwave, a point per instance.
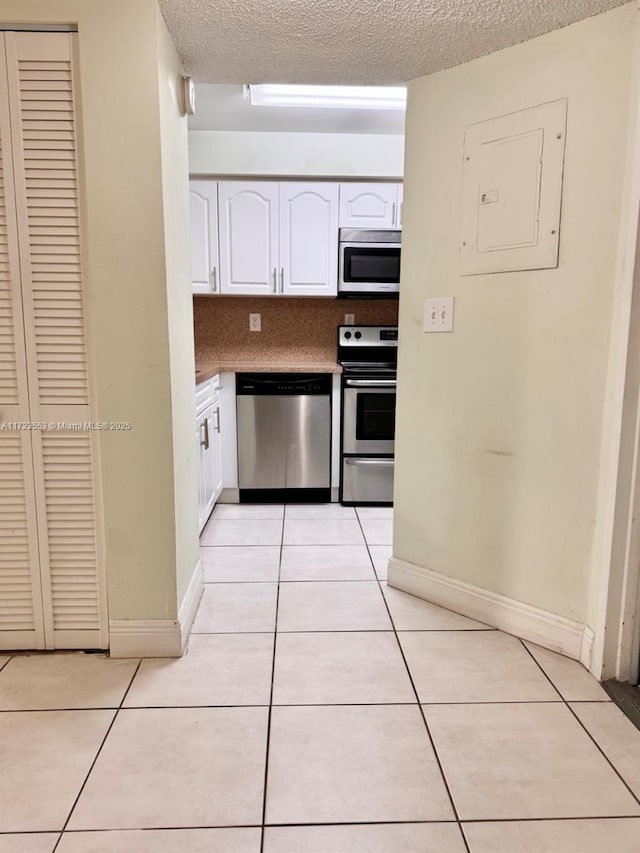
(369, 263)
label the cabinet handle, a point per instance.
(393, 213)
(205, 443)
(400, 216)
(214, 280)
(281, 279)
(275, 275)
(217, 413)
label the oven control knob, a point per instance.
(358, 335)
(347, 335)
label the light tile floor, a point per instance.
(316, 710)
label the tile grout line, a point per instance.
(301, 580)
(420, 708)
(280, 824)
(273, 673)
(356, 630)
(582, 725)
(95, 759)
(300, 704)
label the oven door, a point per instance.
(367, 480)
(369, 268)
(369, 415)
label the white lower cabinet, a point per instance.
(209, 439)
(216, 446)
(207, 462)
(228, 437)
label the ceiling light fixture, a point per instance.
(329, 97)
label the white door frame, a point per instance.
(614, 595)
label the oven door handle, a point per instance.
(384, 462)
(371, 383)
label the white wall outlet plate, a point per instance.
(438, 314)
(255, 323)
(349, 319)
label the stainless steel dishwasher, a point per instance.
(284, 437)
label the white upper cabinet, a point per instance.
(369, 206)
(308, 239)
(249, 231)
(205, 266)
(280, 238)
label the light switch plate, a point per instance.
(438, 314)
(255, 323)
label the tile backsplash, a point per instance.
(296, 330)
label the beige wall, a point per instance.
(333, 155)
(175, 188)
(499, 423)
(131, 281)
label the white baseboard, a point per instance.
(189, 606)
(586, 648)
(514, 617)
(158, 638)
(144, 638)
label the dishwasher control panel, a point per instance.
(283, 384)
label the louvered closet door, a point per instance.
(21, 620)
(44, 118)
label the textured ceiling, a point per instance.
(353, 41)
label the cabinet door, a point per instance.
(308, 239)
(368, 205)
(207, 464)
(203, 205)
(228, 431)
(216, 446)
(249, 228)
(201, 471)
(400, 206)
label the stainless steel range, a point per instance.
(368, 355)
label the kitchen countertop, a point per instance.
(206, 369)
